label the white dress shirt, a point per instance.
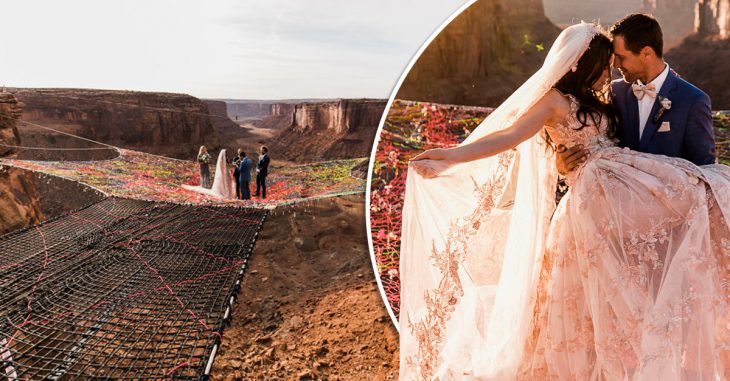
(646, 103)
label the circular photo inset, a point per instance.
(541, 189)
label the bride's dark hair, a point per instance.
(593, 105)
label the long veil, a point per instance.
(222, 184)
(472, 244)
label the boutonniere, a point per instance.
(665, 104)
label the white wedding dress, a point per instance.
(223, 186)
(628, 280)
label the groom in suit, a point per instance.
(262, 170)
(659, 112)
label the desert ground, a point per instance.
(309, 307)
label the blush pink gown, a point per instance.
(635, 282)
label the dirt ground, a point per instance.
(309, 307)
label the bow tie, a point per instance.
(640, 90)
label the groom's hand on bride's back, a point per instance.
(567, 159)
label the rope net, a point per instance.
(139, 175)
(122, 289)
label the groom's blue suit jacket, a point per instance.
(691, 135)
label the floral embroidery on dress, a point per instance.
(440, 302)
(636, 274)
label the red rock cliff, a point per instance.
(240, 110)
(167, 124)
(713, 18)
(483, 55)
(699, 58)
(19, 203)
(329, 130)
(281, 116)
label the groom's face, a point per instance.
(627, 62)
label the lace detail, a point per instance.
(571, 132)
(639, 269)
(440, 302)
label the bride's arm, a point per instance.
(543, 112)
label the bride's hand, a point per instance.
(431, 163)
(432, 154)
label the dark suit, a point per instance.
(244, 177)
(236, 161)
(262, 170)
(691, 135)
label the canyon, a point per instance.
(309, 131)
(483, 55)
(489, 50)
(173, 125)
(176, 125)
(20, 205)
(251, 109)
(329, 130)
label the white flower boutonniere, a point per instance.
(665, 105)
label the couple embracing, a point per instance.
(626, 278)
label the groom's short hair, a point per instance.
(639, 30)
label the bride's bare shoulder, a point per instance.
(557, 100)
(558, 103)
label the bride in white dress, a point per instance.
(626, 279)
(222, 182)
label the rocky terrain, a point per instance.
(699, 58)
(309, 308)
(176, 125)
(483, 55)
(173, 125)
(19, 200)
(232, 135)
(329, 130)
(281, 117)
(305, 132)
(241, 110)
(248, 109)
(713, 18)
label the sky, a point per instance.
(239, 49)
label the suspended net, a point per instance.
(134, 174)
(122, 289)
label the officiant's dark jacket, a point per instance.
(690, 134)
(236, 161)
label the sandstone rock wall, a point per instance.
(240, 110)
(483, 55)
(167, 124)
(699, 59)
(282, 116)
(329, 130)
(713, 18)
(19, 201)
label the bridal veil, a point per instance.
(472, 243)
(222, 182)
